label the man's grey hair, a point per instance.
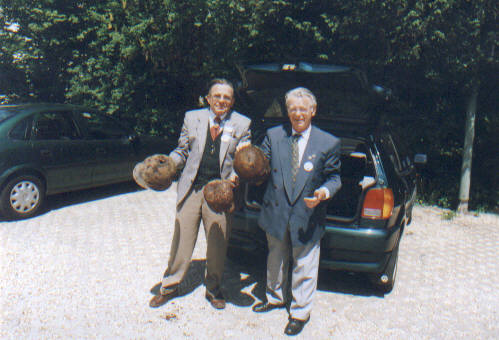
(301, 92)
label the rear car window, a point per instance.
(338, 95)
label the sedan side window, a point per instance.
(20, 131)
(101, 127)
(54, 126)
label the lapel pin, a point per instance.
(308, 166)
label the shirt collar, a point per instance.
(305, 134)
(212, 118)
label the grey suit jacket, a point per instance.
(283, 203)
(187, 155)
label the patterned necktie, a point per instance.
(295, 155)
(215, 128)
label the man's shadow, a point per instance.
(243, 270)
(193, 279)
(239, 273)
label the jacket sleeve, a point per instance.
(245, 138)
(332, 168)
(181, 152)
(246, 135)
(265, 146)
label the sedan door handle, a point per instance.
(45, 153)
(100, 151)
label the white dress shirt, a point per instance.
(302, 144)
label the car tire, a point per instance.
(390, 272)
(22, 197)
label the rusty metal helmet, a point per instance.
(219, 195)
(156, 172)
(251, 165)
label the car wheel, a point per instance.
(385, 281)
(22, 197)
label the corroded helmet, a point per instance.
(155, 172)
(251, 165)
(219, 196)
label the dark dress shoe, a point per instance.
(218, 301)
(295, 326)
(264, 307)
(160, 300)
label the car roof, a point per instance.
(302, 73)
(39, 106)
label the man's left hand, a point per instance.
(234, 180)
(242, 145)
(319, 196)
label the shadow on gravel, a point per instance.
(59, 201)
(240, 272)
(63, 200)
(346, 283)
(193, 279)
(254, 267)
(236, 277)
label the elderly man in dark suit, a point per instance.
(206, 147)
(305, 165)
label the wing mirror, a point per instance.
(420, 159)
(133, 138)
(383, 92)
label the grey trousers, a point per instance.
(303, 278)
(187, 221)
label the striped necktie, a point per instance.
(295, 155)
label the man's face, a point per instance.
(220, 98)
(300, 112)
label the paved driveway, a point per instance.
(87, 269)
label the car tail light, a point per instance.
(378, 204)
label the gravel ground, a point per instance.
(88, 267)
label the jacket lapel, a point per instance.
(202, 130)
(225, 138)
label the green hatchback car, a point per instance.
(366, 219)
(53, 148)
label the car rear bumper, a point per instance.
(342, 248)
(359, 250)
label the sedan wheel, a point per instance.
(22, 197)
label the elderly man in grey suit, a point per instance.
(305, 165)
(206, 147)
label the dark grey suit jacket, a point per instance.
(283, 203)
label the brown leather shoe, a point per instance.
(264, 307)
(295, 326)
(160, 300)
(218, 302)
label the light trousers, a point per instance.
(305, 268)
(190, 213)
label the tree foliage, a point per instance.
(147, 62)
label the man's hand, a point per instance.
(319, 196)
(234, 180)
(242, 145)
